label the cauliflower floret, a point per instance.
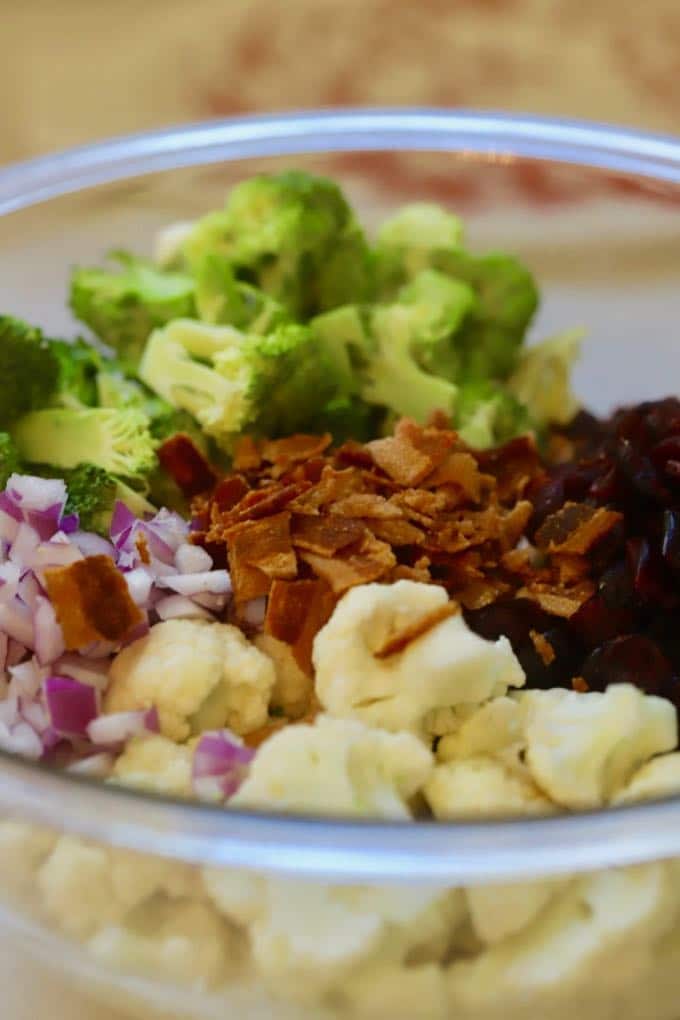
(238, 895)
(581, 748)
(312, 935)
(181, 942)
(23, 848)
(494, 729)
(86, 886)
(293, 688)
(500, 910)
(391, 990)
(448, 665)
(658, 778)
(481, 787)
(157, 764)
(199, 675)
(337, 767)
(600, 933)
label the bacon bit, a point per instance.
(143, 548)
(435, 443)
(439, 420)
(514, 466)
(246, 454)
(557, 600)
(580, 684)
(420, 505)
(460, 469)
(296, 612)
(258, 552)
(520, 562)
(185, 463)
(576, 528)
(543, 647)
(411, 631)
(400, 461)
(513, 524)
(397, 532)
(230, 492)
(92, 602)
(293, 449)
(325, 535)
(353, 454)
(365, 504)
(418, 572)
(479, 594)
(369, 562)
(334, 485)
(569, 568)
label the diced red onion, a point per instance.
(9, 507)
(222, 757)
(192, 559)
(9, 711)
(15, 652)
(70, 523)
(140, 583)
(29, 590)
(17, 622)
(72, 705)
(88, 671)
(174, 606)
(27, 678)
(21, 739)
(215, 603)
(92, 545)
(4, 646)
(121, 726)
(95, 766)
(10, 577)
(253, 612)
(216, 582)
(53, 554)
(36, 715)
(45, 522)
(31, 493)
(26, 541)
(49, 638)
(122, 522)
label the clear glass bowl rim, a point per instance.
(330, 849)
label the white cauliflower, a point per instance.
(581, 748)
(448, 665)
(199, 675)
(293, 687)
(500, 910)
(157, 764)
(23, 848)
(599, 934)
(659, 778)
(85, 886)
(311, 936)
(495, 729)
(392, 990)
(183, 942)
(239, 895)
(482, 787)
(336, 767)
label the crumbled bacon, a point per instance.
(302, 523)
(92, 602)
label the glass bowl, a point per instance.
(174, 909)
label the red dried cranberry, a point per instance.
(631, 659)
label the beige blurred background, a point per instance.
(75, 70)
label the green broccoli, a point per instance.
(542, 380)
(124, 305)
(118, 441)
(222, 299)
(9, 458)
(79, 365)
(438, 307)
(293, 236)
(407, 241)
(92, 493)
(487, 414)
(29, 370)
(230, 381)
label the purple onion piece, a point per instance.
(72, 705)
(43, 494)
(70, 523)
(222, 757)
(122, 522)
(10, 507)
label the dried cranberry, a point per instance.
(632, 659)
(651, 580)
(670, 542)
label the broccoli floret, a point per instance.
(293, 236)
(542, 379)
(406, 241)
(123, 305)
(29, 370)
(487, 414)
(93, 494)
(79, 365)
(118, 441)
(230, 381)
(438, 307)
(222, 299)
(10, 462)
